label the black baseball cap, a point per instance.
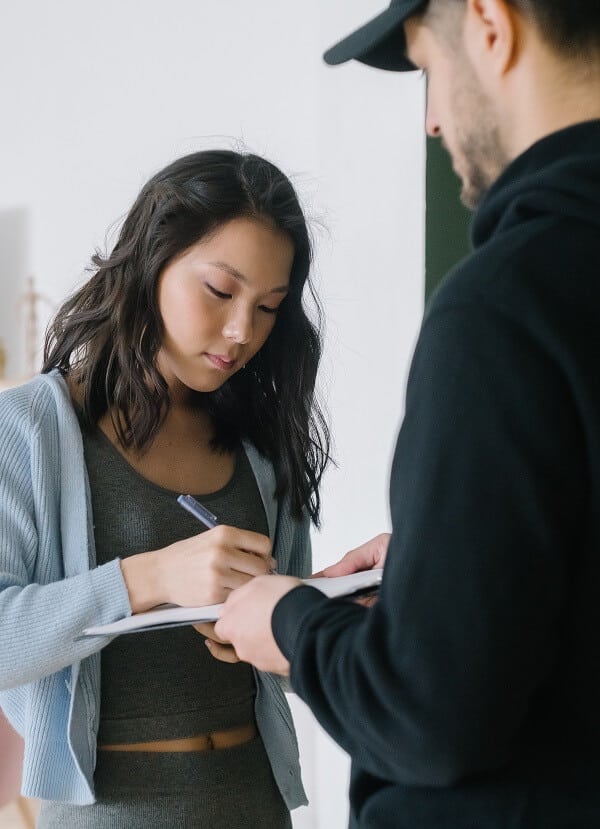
(380, 42)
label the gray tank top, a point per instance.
(164, 684)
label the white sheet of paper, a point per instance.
(174, 616)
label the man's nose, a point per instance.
(432, 124)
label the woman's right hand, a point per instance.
(199, 570)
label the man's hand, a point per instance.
(246, 622)
(223, 651)
(368, 556)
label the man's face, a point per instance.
(458, 111)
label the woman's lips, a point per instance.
(221, 362)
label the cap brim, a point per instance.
(380, 42)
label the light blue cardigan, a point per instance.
(51, 589)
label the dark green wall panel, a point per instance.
(447, 220)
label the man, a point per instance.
(469, 695)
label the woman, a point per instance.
(185, 364)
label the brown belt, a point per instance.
(202, 742)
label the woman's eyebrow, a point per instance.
(281, 289)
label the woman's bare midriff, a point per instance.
(202, 742)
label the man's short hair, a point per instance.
(571, 27)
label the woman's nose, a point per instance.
(239, 328)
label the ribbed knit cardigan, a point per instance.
(51, 589)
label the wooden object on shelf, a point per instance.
(29, 300)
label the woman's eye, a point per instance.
(220, 294)
(268, 310)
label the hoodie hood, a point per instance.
(558, 175)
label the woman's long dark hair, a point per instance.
(107, 335)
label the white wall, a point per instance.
(95, 97)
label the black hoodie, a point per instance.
(469, 696)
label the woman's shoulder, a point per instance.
(34, 402)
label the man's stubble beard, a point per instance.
(479, 156)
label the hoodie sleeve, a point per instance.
(433, 683)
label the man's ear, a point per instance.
(491, 36)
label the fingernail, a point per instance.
(208, 643)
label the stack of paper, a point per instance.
(173, 615)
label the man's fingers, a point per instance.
(352, 562)
(207, 629)
(370, 554)
(224, 653)
(366, 601)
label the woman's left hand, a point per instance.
(223, 651)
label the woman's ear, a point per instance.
(491, 37)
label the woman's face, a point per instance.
(219, 301)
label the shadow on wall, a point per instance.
(14, 247)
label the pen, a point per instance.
(202, 514)
(198, 511)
